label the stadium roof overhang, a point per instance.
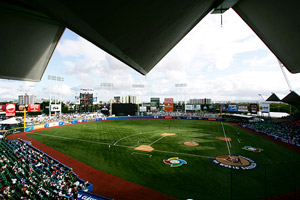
(139, 33)
(293, 99)
(273, 97)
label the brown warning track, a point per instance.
(104, 184)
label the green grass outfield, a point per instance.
(199, 178)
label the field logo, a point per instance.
(175, 162)
(254, 149)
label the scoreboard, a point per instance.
(86, 99)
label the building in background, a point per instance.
(26, 99)
(200, 101)
(117, 99)
(128, 99)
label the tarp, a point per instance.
(10, 121)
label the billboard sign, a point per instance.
(55, 108)
(253, 108)
(222, 107)
(188, 107)
(143, 109)
(153, 108)
(178, 107)
(34, 108)
(10, 109)
(264, 108)
(21, 107)
(154, 102)
(197, 107)
(94, 100)
(2, 108)
(86, 99)
(232, 108)
(243, 108)
(168, 104)
(77, 100)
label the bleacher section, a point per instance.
(288, 132)
(27, 173)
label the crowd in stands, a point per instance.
(27, 173)
(185, 114)
(43, 119)
(286, 129)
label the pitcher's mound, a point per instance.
(224, 139)
(167, 134)
(191, 143)
(144, 148)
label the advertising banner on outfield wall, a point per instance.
(243, 108)
(264, 108)
(232, 108)
(53, 124)
(253, 108)
(168, 104)
(39, 126)
(10, 109)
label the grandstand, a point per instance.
(28, 173)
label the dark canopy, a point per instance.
(293, 99)
(273, 97)
(139, 33)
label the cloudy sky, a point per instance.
(228, 63)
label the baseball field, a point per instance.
(175, 157)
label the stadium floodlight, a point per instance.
(54, 78)
(108, 86)
(181, 85)
(138, 86)
(261, 97)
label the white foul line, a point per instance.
(88, 141)
(156, 140)
(225, 138)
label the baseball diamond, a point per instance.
(193, 180)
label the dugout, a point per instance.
(124, 109)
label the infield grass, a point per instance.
(199, 178)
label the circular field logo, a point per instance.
(175, 162)
(250, 148)
(234, 161)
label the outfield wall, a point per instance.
(55, 124)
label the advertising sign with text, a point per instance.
(34, 108)
(168, 104)
(10, 109)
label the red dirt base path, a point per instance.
(104, 184)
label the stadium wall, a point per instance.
(55, 124)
